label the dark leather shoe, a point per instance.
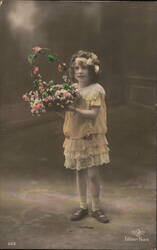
(79, 214)
(100, 216)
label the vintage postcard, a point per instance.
(78, 124)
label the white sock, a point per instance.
(83, 202)
(95, 203)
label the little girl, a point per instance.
(85, 145)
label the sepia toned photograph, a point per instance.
(78, 124)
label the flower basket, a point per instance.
(48, 96)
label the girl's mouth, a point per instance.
(80, 76)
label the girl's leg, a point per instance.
(81, 178)
(94, 185)
(94, 182)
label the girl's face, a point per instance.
(81, 72)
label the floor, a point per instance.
(38, 195)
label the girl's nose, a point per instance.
(80, 69)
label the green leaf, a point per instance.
(44, 94)
(30, 58)
(50, 84)
(36, 83)
(51, 58)
(66, 86)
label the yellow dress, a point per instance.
(85, 143)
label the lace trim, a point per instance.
(94, 160)
(92, 145)
(92, 91)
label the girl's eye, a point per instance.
(76, 68)
(84, 67)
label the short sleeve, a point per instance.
(96, 100)
(95, 96)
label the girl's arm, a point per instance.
(91, 114)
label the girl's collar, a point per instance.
(86, 87)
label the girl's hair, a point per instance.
(88, 58)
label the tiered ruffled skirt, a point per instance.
(86, 152)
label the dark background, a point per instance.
(123, 34)
(33, 180)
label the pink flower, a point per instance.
(32, 111)
(25, 98)
(63, 98)
(35, 69)
(46, 99)
(44, 83)
(36, 48)
(60, 68)
(57, 93)
(67, 94)
(34, 108)
(37, 106)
